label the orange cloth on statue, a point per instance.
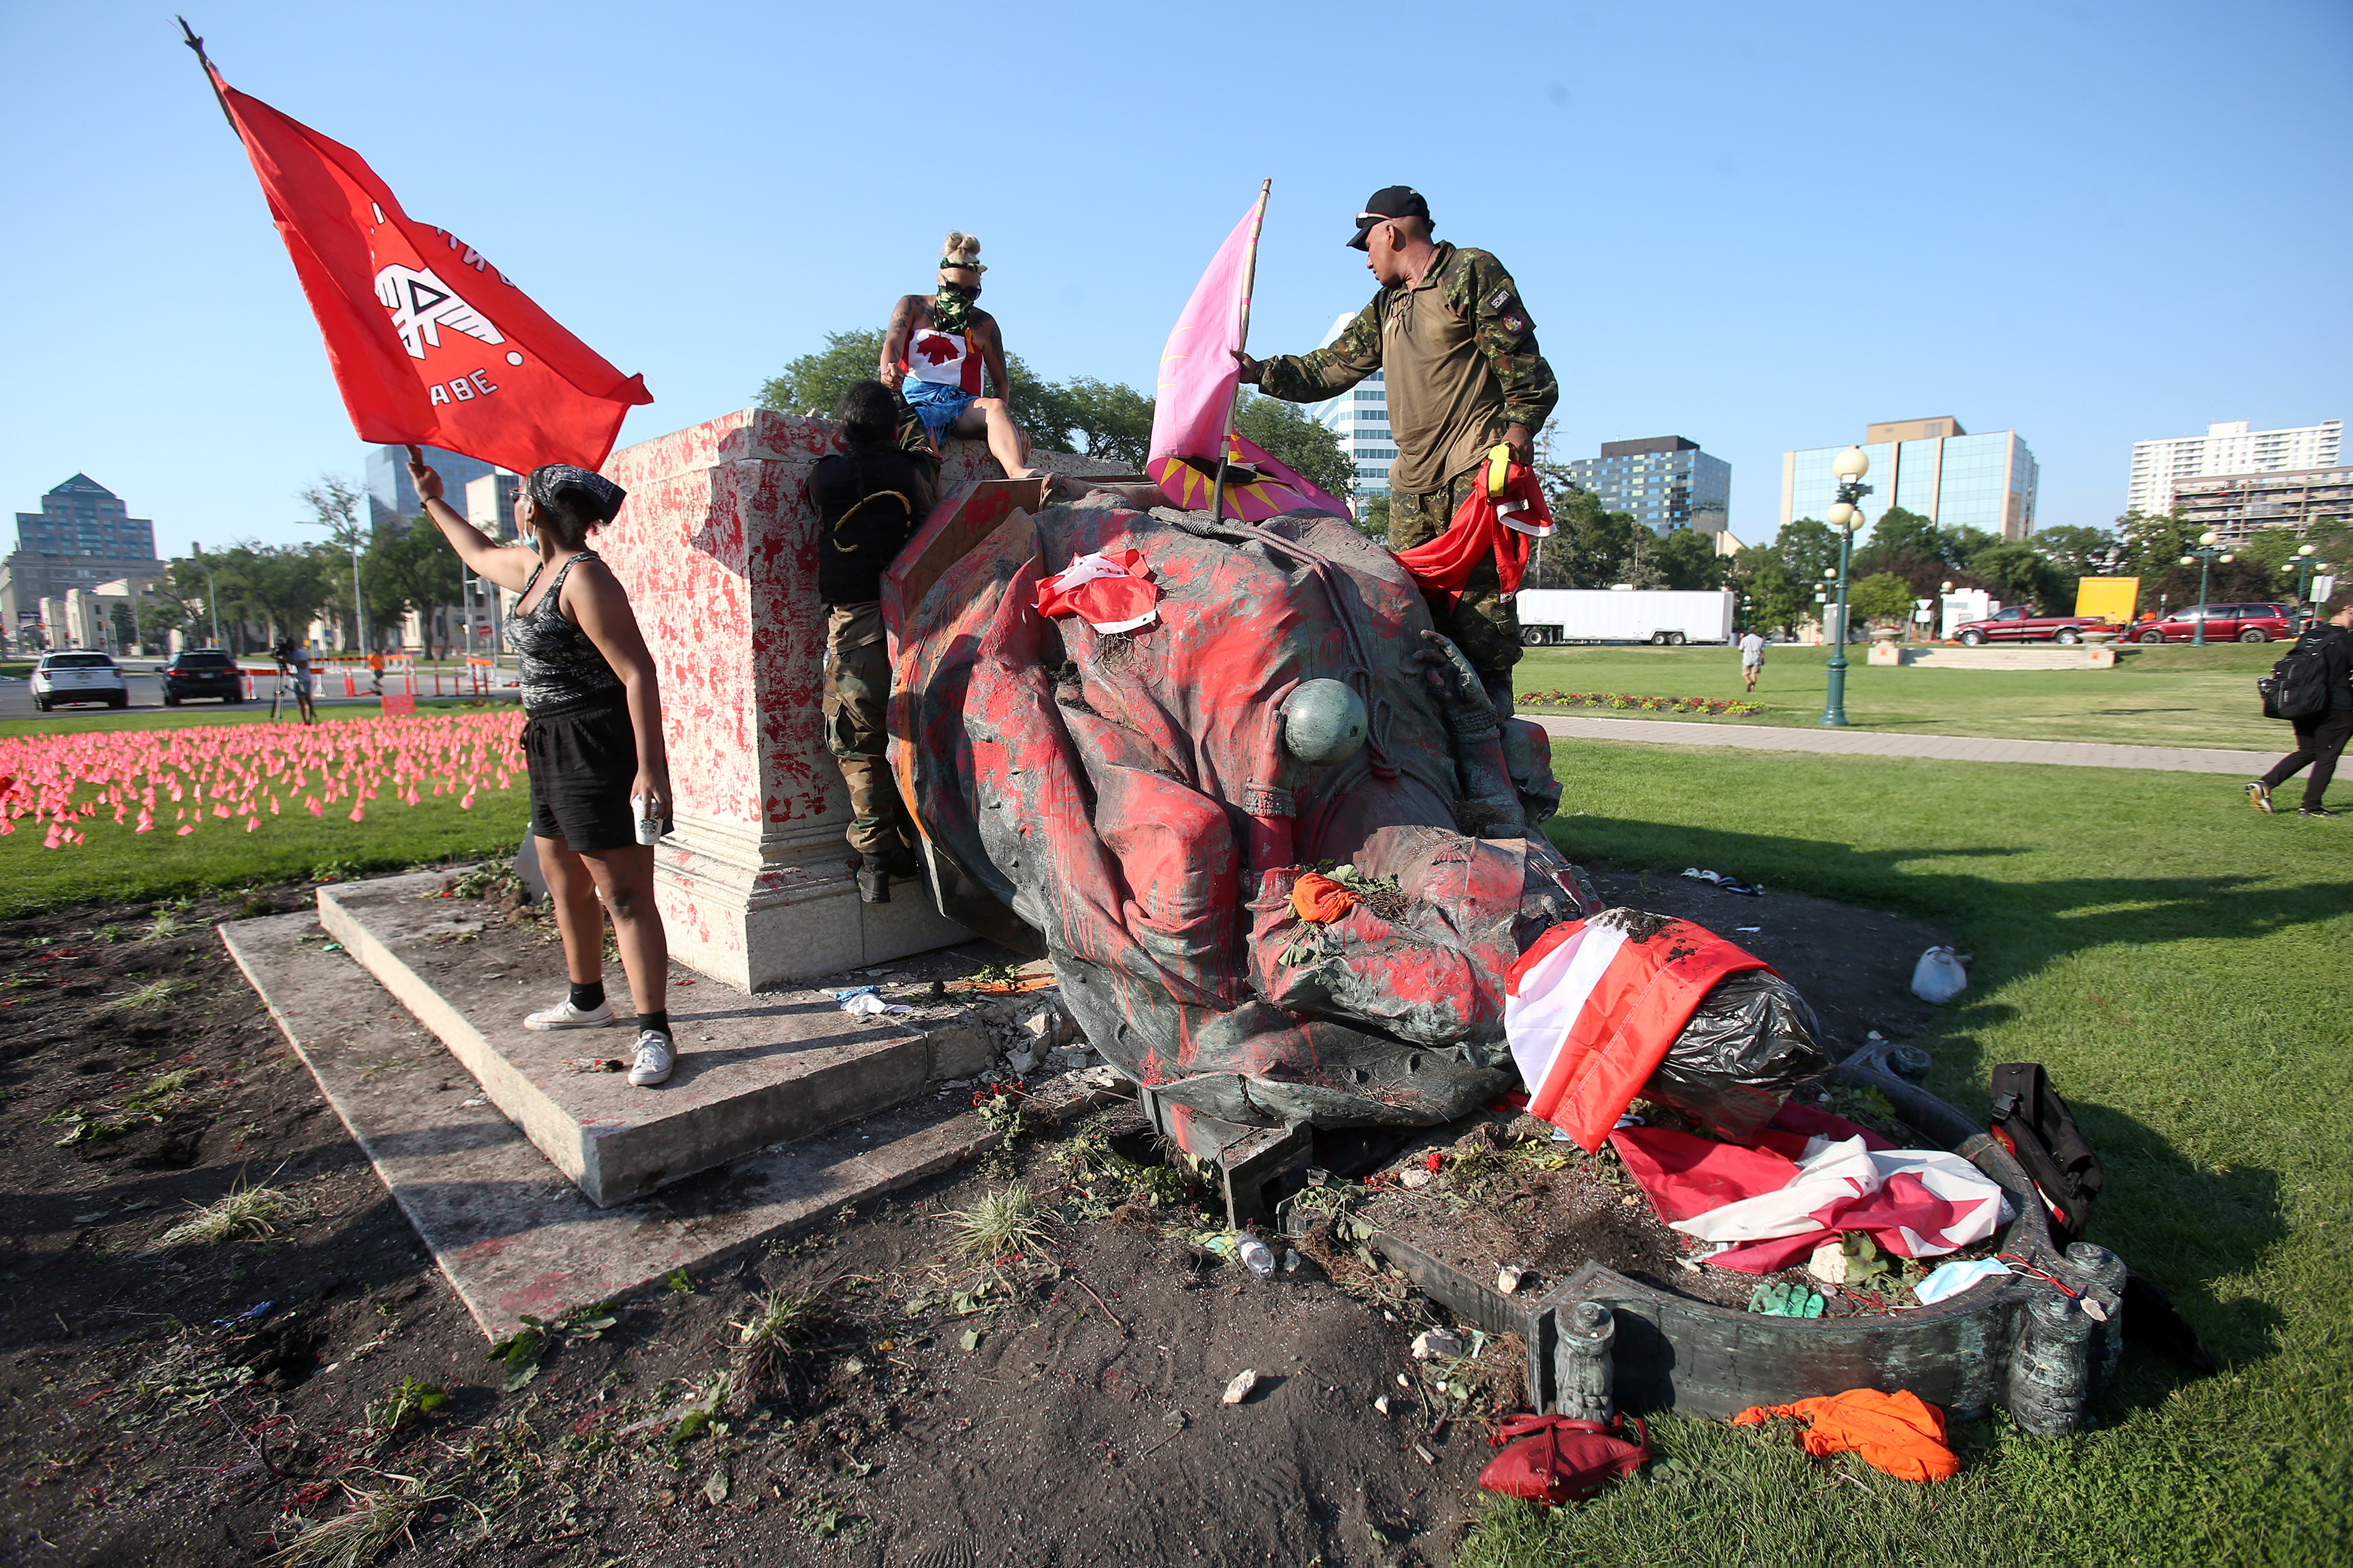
(1899, 1432)
(1317, 898)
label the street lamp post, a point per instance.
(2304, 567)
(350, 535)
(212, 598)
(2206, 554)
(1850, 466)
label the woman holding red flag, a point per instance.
(593, 741)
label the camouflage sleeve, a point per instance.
(1506, 335)
(1354, 354)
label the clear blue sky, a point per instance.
(1757, 225)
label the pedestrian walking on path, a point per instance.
(2320, 738)
(1752, 658)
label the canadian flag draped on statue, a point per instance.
(431, 345)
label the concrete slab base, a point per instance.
(752, 1070)
(509, 1230)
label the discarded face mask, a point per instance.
(866, 1001)
(1729, 884)
(1948, 1279)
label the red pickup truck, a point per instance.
(2020, 624)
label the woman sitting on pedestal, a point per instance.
(933, 355)
(594, 743)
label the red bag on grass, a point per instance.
(1557, 1459)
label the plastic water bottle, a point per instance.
(1258, 1255)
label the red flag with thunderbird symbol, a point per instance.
(432, 344)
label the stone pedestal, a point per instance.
(718, 549)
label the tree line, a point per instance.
(1096, 418)
(1905, 557)
(280, 589)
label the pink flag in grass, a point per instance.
(1195, 391)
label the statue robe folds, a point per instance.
(1141, 804)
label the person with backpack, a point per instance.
(870, 496)
(2312, 689)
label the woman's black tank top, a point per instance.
(561, 667)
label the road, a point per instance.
(147, 692)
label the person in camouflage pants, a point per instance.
(1459, 356)
(855, 702)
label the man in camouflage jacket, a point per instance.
(1463, 372)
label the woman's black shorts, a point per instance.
(582, 763)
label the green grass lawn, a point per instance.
(2179, 964)
(113, 864)
(2170, 696)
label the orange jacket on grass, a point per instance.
(1899, 1432)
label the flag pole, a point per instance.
(188, 37)
(1249, 283)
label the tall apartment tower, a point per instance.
(1931, 466)
(2226, 448)
(1360, 417)
(1665, 481)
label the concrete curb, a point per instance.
(1941, 748)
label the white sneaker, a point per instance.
(564, 1015)
(655, 1060)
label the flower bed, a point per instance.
(1625, 702)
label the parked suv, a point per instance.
(78, 677)
(2224, 623)
(203, 672)
(2020, 624)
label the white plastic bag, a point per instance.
(1939, 977)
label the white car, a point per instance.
(78, 677)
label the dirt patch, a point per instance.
(1854, 965)
(1065, 1410)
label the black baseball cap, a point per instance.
(1391, 201)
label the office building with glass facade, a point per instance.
(392, 499)
(1360, 417)
(1931, 466)
(1665, 481)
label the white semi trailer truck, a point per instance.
(1665, 616)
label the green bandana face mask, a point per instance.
(952, 310)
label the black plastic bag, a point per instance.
(1751, 1041)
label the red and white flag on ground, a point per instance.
(431, 345)
(1767, 1211)
(1591, 1007)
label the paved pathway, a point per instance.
(1951, 748)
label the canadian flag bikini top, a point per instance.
(944, 359)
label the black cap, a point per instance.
(1391, 201)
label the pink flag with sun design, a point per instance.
(1195, 394)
